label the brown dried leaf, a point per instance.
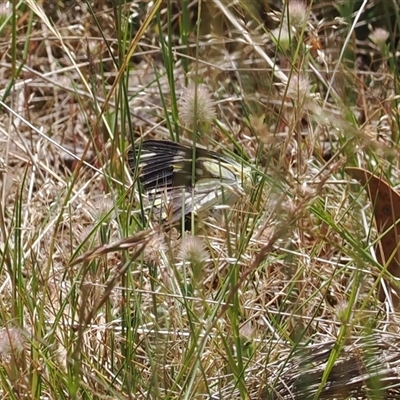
(386, 202)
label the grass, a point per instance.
(275, 297)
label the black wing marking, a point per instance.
(165, 170)
(168, 164)
(162, 164)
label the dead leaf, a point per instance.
(386, 202)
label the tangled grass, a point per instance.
(273, 298)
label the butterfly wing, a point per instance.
(179, 180)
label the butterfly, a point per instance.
(181, 180)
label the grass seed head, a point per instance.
(197, 107)
(193, 250)
(156, 246)
(296, 13)
(12, 342)
(379, 36)
(282, 37)
(5, 11)
(102, 207)
(299, 88)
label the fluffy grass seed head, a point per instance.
(341, 311)
(154, 248)
(281, 37)
(192, 250)
(296, 13)
(5, 11)
(12, 342)
(247, 330)
(379, 36)
(197, 107)
(102, 206)
(298, 89)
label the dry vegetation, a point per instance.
(275, 298)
